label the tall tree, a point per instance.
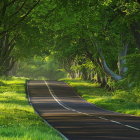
(12, 15)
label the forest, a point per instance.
(91, 40)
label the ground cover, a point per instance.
(18, 120)
(93, 93)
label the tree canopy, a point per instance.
(93, 39)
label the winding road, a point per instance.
(76, 119)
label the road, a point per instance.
(61, 107)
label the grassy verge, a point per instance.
(17, 118)
(102, 98)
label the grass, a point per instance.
(93, 93)
(17, 118)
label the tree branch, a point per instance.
(18, 9)
(107, 70)
(22, 19)
(10, 3)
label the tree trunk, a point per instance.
(122, 60)
(84, 73)
(107, 70)
(136, 32)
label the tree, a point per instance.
(102, 31)
(12, 15)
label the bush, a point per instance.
(132, 95)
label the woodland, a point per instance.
(95, 40)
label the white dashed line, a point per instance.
(116, 122)
(69, 108)
(29, 100)
(103, 118)
(132, 127)
(57, 100)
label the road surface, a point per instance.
(61, 107)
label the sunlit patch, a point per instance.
(17, 118)
(102, 98)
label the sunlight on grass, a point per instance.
(17, 117)
(93, 93)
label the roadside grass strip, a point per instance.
(93, 93)
(18, 120)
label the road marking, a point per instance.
(60, 103)
(116, 122)
(29, 100)
(103, 118)
(57, 100)
(132, 127)
(69, 108)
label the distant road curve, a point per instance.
(60, 106)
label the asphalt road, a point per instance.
(60, 106)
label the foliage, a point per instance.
(12, 18)
(99, 31)
(133, 69)
(129, 95)
(39, 68)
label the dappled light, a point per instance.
(17, 118)
(103, 98)
(62, 107)
(80, 59)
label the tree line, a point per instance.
(92, 39)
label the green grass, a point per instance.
(18, 120)
(93, 93)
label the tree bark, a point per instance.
(122, 60)
(106, 68)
